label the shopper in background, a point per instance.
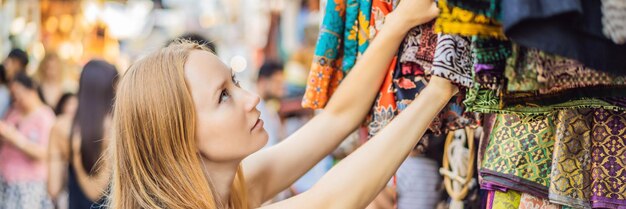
(58, 154)
(25, 134)
(419, 182)
(270, 88)
(15, 63)
(53, 79)
(77, 147)
(66, 106)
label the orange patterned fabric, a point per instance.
(385, 107)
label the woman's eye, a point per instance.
(224, 95)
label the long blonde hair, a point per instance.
(155, 154)
(40, 74)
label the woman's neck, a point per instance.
(53, 81)
(31, 105)
(221, 177)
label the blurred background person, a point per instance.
(66, 107)
(79, 145)
(419, 182)
(58, 154)
(25, 134)
(270, 87)
(16, 62)
(54, 80)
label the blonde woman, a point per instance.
(186, 135)
(54, 78)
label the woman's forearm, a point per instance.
(359, 177)
(355, 96)
(32, 150)
(95, 185)
(56, 173)
(57, 162)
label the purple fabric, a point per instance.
(499, 181)
(482, 67)
(609, 159)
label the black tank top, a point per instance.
(78, 199)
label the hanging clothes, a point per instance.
(385, 107)
(572, 29)
(608, 159)
(419, 48)
(571, 173)
(520, 73)
(325, 72)
(412, 75)
(572, 157)
(538, 82)
(418, 60)
(478, 19)
(490, 57)
(453, 60)
(519, 154)
(553, 79)
(355, 36)
(564, 83)
(589, 168)
(343, 36)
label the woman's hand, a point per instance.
(11, 135)
(8, 133)
(411, 13)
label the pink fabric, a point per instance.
(15, 165)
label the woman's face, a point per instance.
(228, 125)
(20, 94)
(52, 69)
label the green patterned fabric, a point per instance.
(519, 153)
(538, 83)
(488, 101)
(490, 50)
(521, 74)
(490, 59)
